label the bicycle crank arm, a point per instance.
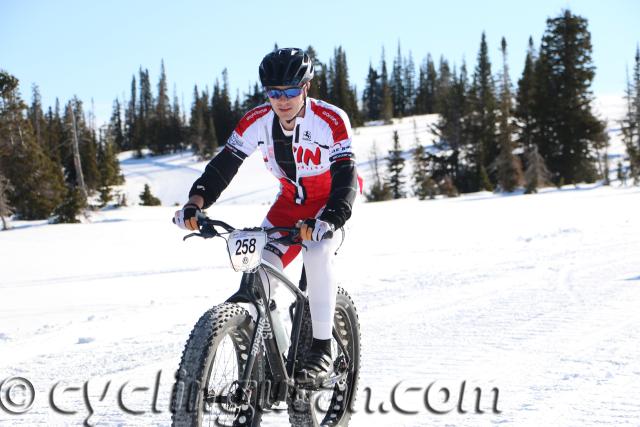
(333, 379)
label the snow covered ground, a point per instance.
(533, 295)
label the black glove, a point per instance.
(185, 218)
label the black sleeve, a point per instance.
(344, 187)
(216, 177)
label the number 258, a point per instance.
(245, 245)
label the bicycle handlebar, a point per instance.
(207, 230)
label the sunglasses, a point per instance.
(290, 92)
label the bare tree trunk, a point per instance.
(76, 155)
(5, 209)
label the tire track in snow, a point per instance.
(106, 276)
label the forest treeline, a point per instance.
(492, 133)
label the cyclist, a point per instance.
(306, 144)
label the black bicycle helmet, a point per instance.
(286, 67)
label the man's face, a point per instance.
(288, 108)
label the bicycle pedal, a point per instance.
(314, 384)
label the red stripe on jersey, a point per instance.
(250, 117)
(317, 187)
(333, 119)
(287, 190)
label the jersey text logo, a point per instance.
(305, 155)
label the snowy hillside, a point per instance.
(171, 176)
(535, 295)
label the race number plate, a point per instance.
(245, 249)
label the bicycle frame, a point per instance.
(252, 291)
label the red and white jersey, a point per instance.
(321, 137)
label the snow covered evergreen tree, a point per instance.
(395, 166)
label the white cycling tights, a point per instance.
(321, 283)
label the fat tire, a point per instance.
(301, 407)
(187, 397)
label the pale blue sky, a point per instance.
(92, 48)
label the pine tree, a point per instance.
(210, 139)
(509, 168)
(566, 129)
(115, 127)
(371, 102)
(330, 72)
(145, 111)
(453, 136)
(630, 125)
(197, 127)
(386, 102)
(342, 95)
(175, 133)
(409, 85)
(109, 169)
(426, 93)
(37, 181)
(71, 206)
(147, 198)
(379, 190)
(443, 85)
(131, 125)
(315, 88)
(396, 83)
(256, 96)
(524, 100)
(36, 116)
(395, 165)
(222, 112)
(321, 82)
(89, 156)
(54, 134)
(483, 119)
(423, 185)
(237, 111)
(159, 141)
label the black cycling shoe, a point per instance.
(316, 365)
